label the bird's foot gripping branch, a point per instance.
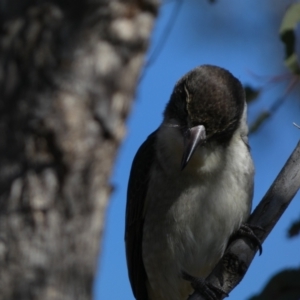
(203, 287)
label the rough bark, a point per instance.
(68, 71)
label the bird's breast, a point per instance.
(190, 215)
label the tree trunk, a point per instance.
(68, 72)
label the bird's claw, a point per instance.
(246, 230)
(206, 289)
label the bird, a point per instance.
(190, 186)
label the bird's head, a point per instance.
(207, 104)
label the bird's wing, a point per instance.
(136, 194)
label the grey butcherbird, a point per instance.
(190, 186)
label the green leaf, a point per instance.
(287, 34)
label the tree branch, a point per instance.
(235, 262)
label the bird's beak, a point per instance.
(192, 138)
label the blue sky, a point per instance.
(241, 36)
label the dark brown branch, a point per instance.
(240, 253)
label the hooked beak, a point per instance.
(192, 138)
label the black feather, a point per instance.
(136, 194)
